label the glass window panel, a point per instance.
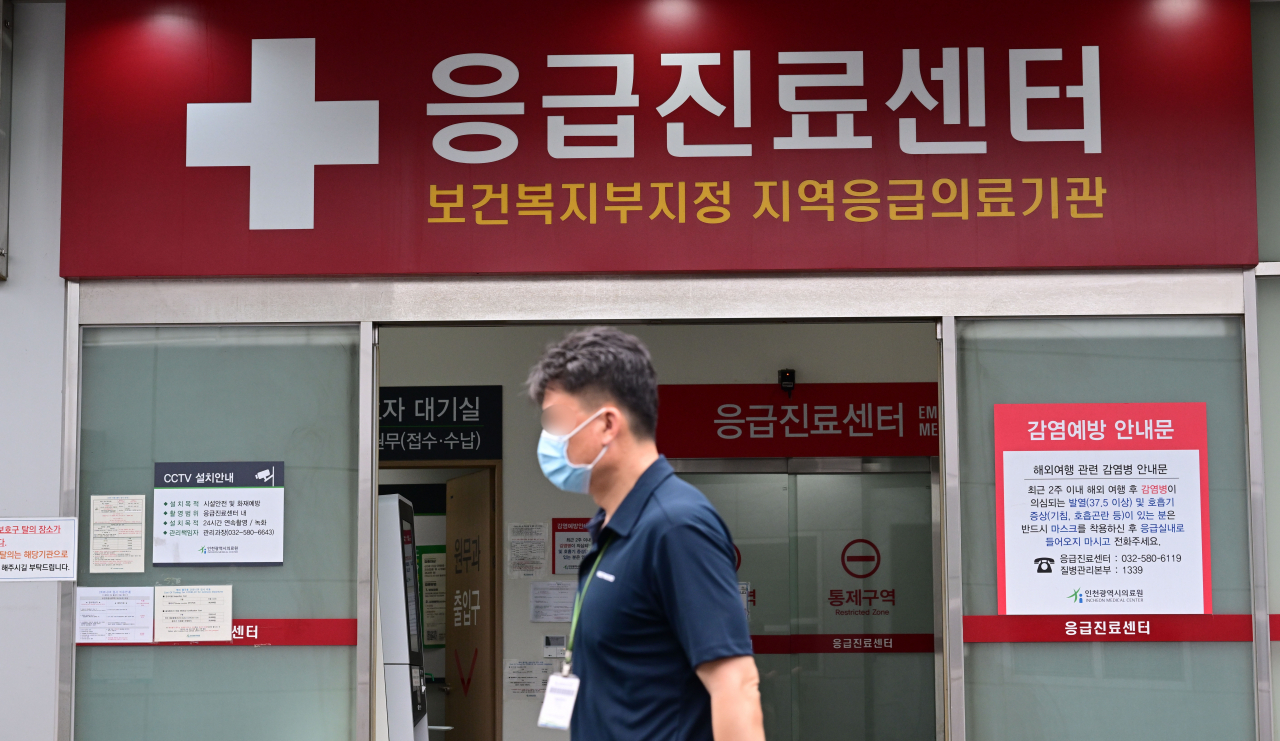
(226, 394)
(1123, 690)
(1269, 367)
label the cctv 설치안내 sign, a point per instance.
(250, 138)
(218, 513)
(1102, 509)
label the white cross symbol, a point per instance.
(282, 134)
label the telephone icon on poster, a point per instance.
(267, 475)
(1044, 565)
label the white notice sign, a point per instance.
(117, 537)
(435, 603)
(526, 549)
(1103, 510)
(551, 601)
(196, 613)
(206, 513)
(114, 614)
(38, 549)
(527, 679)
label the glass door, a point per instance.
(836, 572)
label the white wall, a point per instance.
(735, 353)
(31, 320)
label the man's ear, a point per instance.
(618, 421)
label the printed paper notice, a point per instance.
(526, 549)
(114, 614)
(196, 613)
(117, 534)
(551, 601)
(1102, 509)
(435, 603)
(38, 549)
(527, 678)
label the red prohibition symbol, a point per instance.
(737, 557)
(856, 564)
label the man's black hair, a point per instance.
(605, 361)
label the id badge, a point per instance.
(557, 706)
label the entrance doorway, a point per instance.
(836, 566)
(456, 515)
(721, 409)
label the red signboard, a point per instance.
(1097, 628)
(242, 137)
(275, 632)
(861, 643)
(816, 420)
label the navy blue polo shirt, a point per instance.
(664, 600)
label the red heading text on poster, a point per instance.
(815, 420)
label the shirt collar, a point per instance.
(624, 518)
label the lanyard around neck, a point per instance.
(577, 607)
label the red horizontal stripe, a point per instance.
(290, 632)
(844, 643)
(1055, 628)
(275, 632)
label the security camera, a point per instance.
(787, 380)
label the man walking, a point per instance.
(659, 643)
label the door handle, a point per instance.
(444, 688)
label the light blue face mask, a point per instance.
(553, 456)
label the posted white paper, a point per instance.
(195, 613)
(551, 601)
(527, 678)
(38, 549)
(526, 549)
(1145, 556)
(114, 614)
(117, 536)
(435, 603)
